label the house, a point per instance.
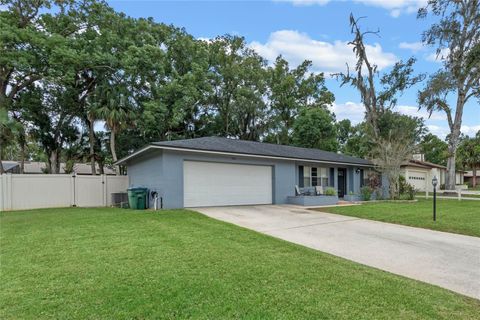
(38, 167)
(419, 173)
(214, 171)
(468, 178)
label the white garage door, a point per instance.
(222, 184)
(417, 179)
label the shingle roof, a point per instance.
(262, 149)
(423, 164)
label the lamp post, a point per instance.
(434, 183)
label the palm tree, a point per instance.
(469, 155)
(117, 113)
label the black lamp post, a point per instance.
(434, 183)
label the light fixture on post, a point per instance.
(434, 183)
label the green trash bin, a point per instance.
(142, 196)
(137, 198)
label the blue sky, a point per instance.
(316, 30)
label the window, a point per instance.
(315, 176)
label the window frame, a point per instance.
(316, 176)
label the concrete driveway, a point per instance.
(448, 260)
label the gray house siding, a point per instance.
(146, 170)
(163, 172)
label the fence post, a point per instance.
(426, 193)
(72, 190)
(2, 178)
(104, 189)
(459, 193)
(6, 192)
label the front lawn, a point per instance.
(452, 215)
(121, 264)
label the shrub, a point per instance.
(366, 193)
(406, 190)
(330, 191)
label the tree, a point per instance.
(290, 91)
(434, 149)
(33, 46)
(388, 150)
(469, 155)
(398, 135)
(457, 38)
(50, 114)
(238, 84)
(174, 88)
(353, 140)
(115, 109)
(315, 128)
(100, 43)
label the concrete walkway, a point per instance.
(448, 260)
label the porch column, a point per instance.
(356, 181)
(350, 180)
(335, 178)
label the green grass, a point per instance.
(452, 215)
(120, 264)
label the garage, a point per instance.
(417, 179)
(224, 184)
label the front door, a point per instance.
(342, 182)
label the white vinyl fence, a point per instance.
(31, 191)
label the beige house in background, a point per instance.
(468, 177)
(419, 174)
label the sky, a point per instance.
(317, 30)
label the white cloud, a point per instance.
(422, 113)
(306, 2)
(439, 131)
(412, 46)
(352, 111)
(434, 57)
(470, 130)
(296, 47)
(396, 7)
(355, 112)
(443, 131)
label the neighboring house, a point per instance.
(468, 178)
(419, 174)
(37, 167)
(215, 171)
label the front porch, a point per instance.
(312, 201)
(322, 186)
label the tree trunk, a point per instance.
(22, 158)
(113, 151)
(91, 138)
(453, 139)
(474, 178)
(101, 166)
(53, 162)
(393, 186)
(450, 177)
